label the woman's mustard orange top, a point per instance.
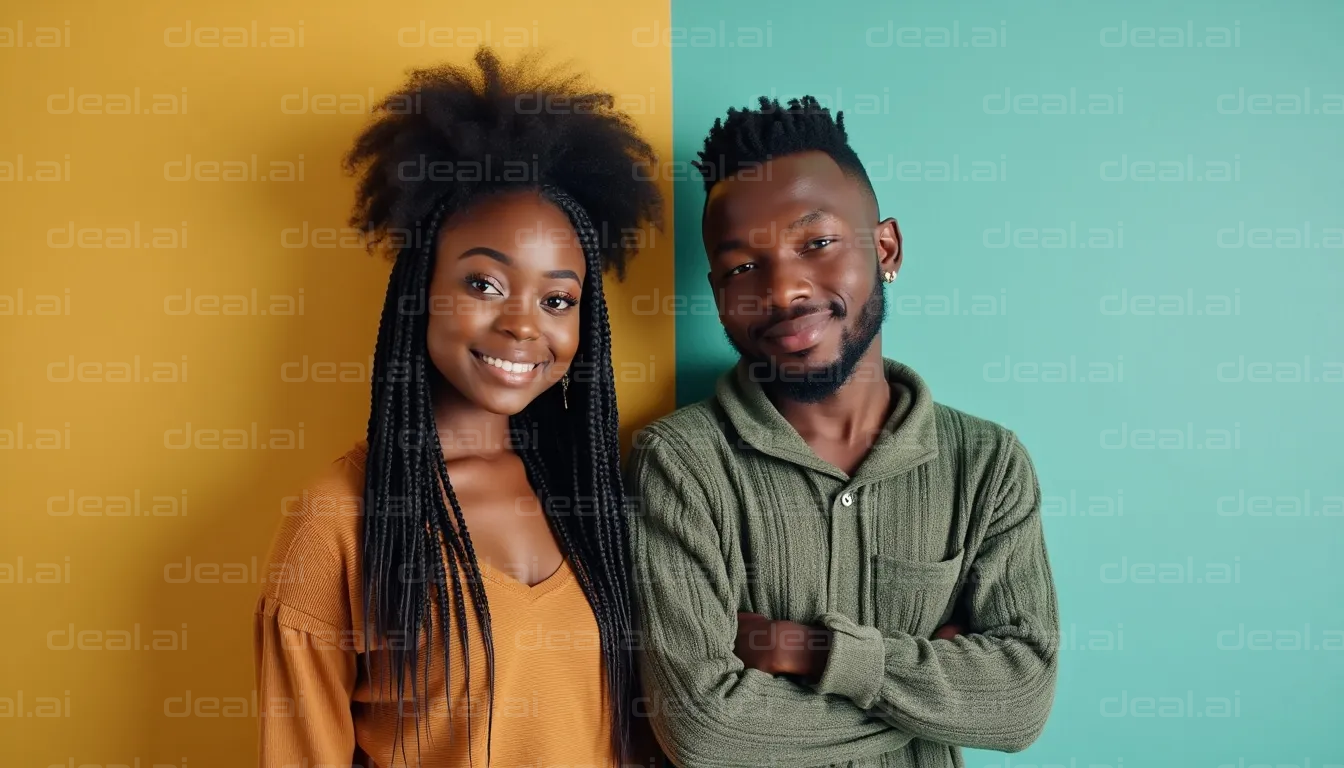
(316, 701)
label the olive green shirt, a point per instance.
(737, 513)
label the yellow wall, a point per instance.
(97, 440)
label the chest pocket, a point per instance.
(914, 597)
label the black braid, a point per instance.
(585, 161)
(602, 488)
(406, 479)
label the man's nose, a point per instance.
(790, 281)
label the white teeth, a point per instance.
(508, 366)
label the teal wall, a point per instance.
(1192, 301)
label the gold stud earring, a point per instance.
(889, 277)
(564, 389)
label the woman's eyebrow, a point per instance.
(503, 258)
(481, 250)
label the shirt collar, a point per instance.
(908, 438)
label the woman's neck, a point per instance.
(465, 429)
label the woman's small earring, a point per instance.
(564, 389)
(889, 277)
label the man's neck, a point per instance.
(852, 416)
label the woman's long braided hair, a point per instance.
(418, 560)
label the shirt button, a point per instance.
(847, 499)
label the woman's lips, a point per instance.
(513, 375)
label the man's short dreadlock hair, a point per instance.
(751, 137)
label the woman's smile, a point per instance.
(510, 373)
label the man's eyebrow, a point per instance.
(811, 217)
(725, 247)
(502, 258)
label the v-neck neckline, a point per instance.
(559, 578)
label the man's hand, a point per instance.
(782, 647)
(789, 648)
(948, 631)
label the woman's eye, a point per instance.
(484, 286)
(559, 302)
(740, 268)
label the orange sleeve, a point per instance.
(305, 680)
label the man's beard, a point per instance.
(816, 385)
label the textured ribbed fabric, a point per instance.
(318, 706)
(739, 514)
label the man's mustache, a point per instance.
(781, 314)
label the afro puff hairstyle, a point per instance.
(468, 132)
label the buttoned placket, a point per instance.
(844, 530)
(848, 587)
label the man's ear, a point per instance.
(888, 241)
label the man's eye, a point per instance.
(820, 242)
(740, 268)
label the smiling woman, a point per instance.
(515, 330)
(490, 474)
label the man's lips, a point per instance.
(799, 333)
